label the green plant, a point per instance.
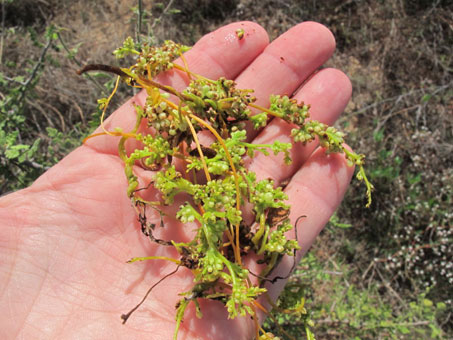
(215, 254)
(351, 311)
(364, 314)
(147, 21)
(19, 161)
(36, 133)
(419, 222)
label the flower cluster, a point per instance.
(151, 60)
(217, 101)
(214, 203)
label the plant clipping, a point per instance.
(213, 178)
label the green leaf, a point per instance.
(310, 334)
(385, 323)
(426, 98)
(15, 151)
(378, 135)
(414, 179)
(404, 329)
(441, 306)
(427, 303)
(335, 221)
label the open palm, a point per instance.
(64, 241)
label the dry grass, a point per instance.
(399, 56)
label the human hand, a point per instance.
(64, 240)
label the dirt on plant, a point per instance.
(399, 57)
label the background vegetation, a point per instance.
(380, 273)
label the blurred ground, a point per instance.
(395, 256)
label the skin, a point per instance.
(64, 240)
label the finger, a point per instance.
(284, 65)
(287, 62)
(328, 93)
(315, 192)
(220, 53)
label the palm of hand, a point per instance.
(64, 241)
